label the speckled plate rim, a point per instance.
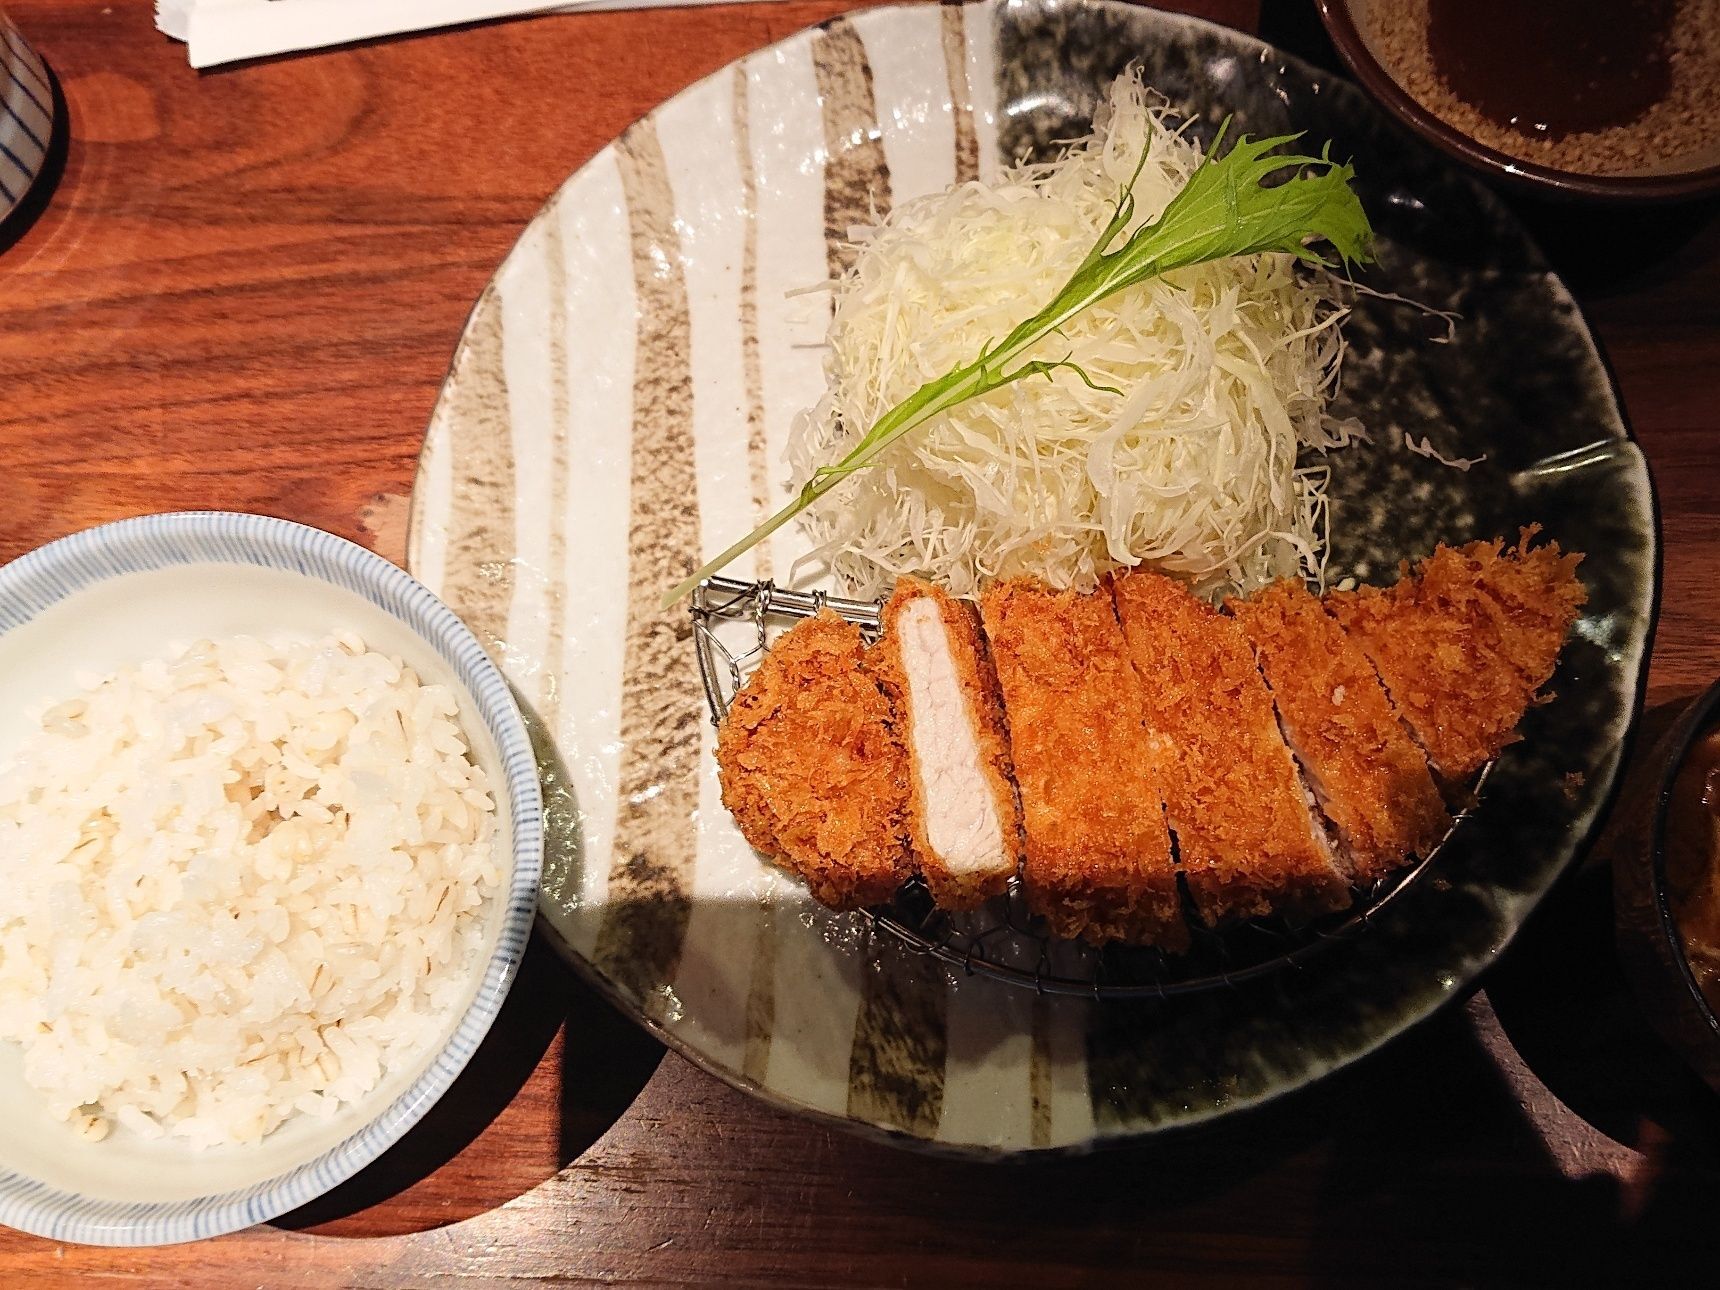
(1099, 1139)
(44, 577)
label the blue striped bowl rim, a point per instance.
(34, 582)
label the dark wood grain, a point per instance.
(243, 294)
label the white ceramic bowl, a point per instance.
(123, 592)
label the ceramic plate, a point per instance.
(619, 405)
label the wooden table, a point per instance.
(243, 294)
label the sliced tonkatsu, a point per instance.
(1466, 642)
(963, 820)
(1295, 746)
(1369, 778)
(813, 770)
(1247, 840)
(1098, 858)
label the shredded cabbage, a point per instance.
(1169, 435)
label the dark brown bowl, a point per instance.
(1349, 23)
(1650, 946)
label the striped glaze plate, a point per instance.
(26, 115)
(618, 406)
(120, 593)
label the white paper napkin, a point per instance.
(224, 31)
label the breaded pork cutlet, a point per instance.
(1370, 779)
(1245, 835)
(813, 770)
(1465, 643)
(962, 816)
(1098, 859)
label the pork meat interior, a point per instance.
(963, 819)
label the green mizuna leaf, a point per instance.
(1225, 209)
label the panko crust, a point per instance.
(1372, 781)
(978, 680)
(1466, 642)
(1098, 861)
(1245, 835)
(812, 767)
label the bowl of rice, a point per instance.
(271, 839)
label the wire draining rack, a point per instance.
(733, 625)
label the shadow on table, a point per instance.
(1566, 1005)
(1419, 1158)
(1611, 1144)
(1415, 1150)
(1554, 1138)
(545, 1127)
(1476, 1177)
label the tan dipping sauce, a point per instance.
(1600, 87)
(1693, 861)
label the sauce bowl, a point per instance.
(1354, 28)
